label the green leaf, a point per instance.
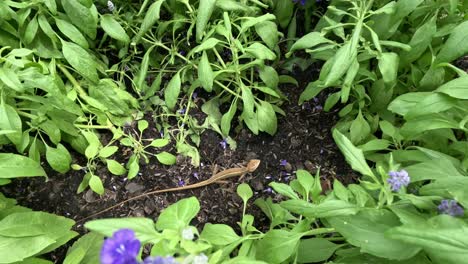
(219, 234)
(444, 238)
(86, 249)
(248, 100)
(419, 42)
(455, 46)
(284, 189)
(268, 32)
(249, 22)
(31, 30)
(171, 93)
(81, 16)
(457, 88)
(425, 123)
(206, 45)
(312, 89)
(205, 9)
(81, 60)
(269, 76)
(245, 192)
(359, 129)
(375, 145)
(205, 73)
(309, 40)
(142, 125)
(15, 166)
(266, 118)
(95, 184)
(341, 62)
(283, 12)
(353, 155)
(114, 29)
(260, 51)
(326, 208)
(115, 168)
(58, 158)
(133, 168)
(151, 17)
(178, 215)
(227, 118)
(10, 79)
(94, 144)
(143, 227)
(348, 81)
(159, 143)
(405, 102)
(305, 179)
(10, 120)
(315, 250)
(366, 230)
(166, 158)
(431, 170)
(71, 32)
(277, 246)
(433, 103)
(108, 151)
(388, 66)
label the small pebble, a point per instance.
(133, 187)
(288, 167)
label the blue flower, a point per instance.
(302, 2)
(121, 248)
(283, 162)
(223, 144)
(160, 260)
(450, 207)
(398, 179)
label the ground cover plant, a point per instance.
(91, 89)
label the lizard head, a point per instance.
(253, 165)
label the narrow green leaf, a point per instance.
(81, 16)
(171, 93)
(205, 73)
(31, 30)
(71, 32)
(455, 46)
(114, 29)
(151, 17)
(205, 9)
(309, 40)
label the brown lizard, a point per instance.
(252, 165)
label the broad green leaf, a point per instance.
(359, 129)
(142, 125)
(284, 12)
(305, 179)
(326, 208)
(245, 192)
(95, 184)
(114, 29)
(115, 168)
(51, 5)
(108, 151)
(375, 145)
(219, 234)
(58, 158)
(419, 42)
(151, 17)
(430, 104)
(457, 88)
(266, 117)
(341, 62)
(353, 155)
(86, 249)
(284, 189)
(260, 51)
(388, 66)
(31, 30)
(143, 227)
(10, 78)
(171, 93)
(178, 215)
(166, 158)
(15, 166)
(159, 143)
(455, 46)
(207, 44)
(309, 40)
(94, 144)
(81, 60)
(340, 191)
(444, 238)
(227, 118)
(81, 16)
(71, 32)
(405, 102)
(253, 21)
(46, 28)
(277, 246)
(10, 120)
(268, 32)
(366, 230)
(421, 124)
(205, 73)
(431, 170)
(313, 250)
(204, 11)
(133, 168)
(269, 76)
(232, 5)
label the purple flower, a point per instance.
(181, 111)
(302, 2)
(181, 183)
(121, 248)
(283, 162)
(450, 207)
(223, 143)
(159, 260)
(195, 174)
(194, 95)
(398, 179)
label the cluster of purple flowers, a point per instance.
(398, 179)
(123, 248)
(450, 207)
(302, 2)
